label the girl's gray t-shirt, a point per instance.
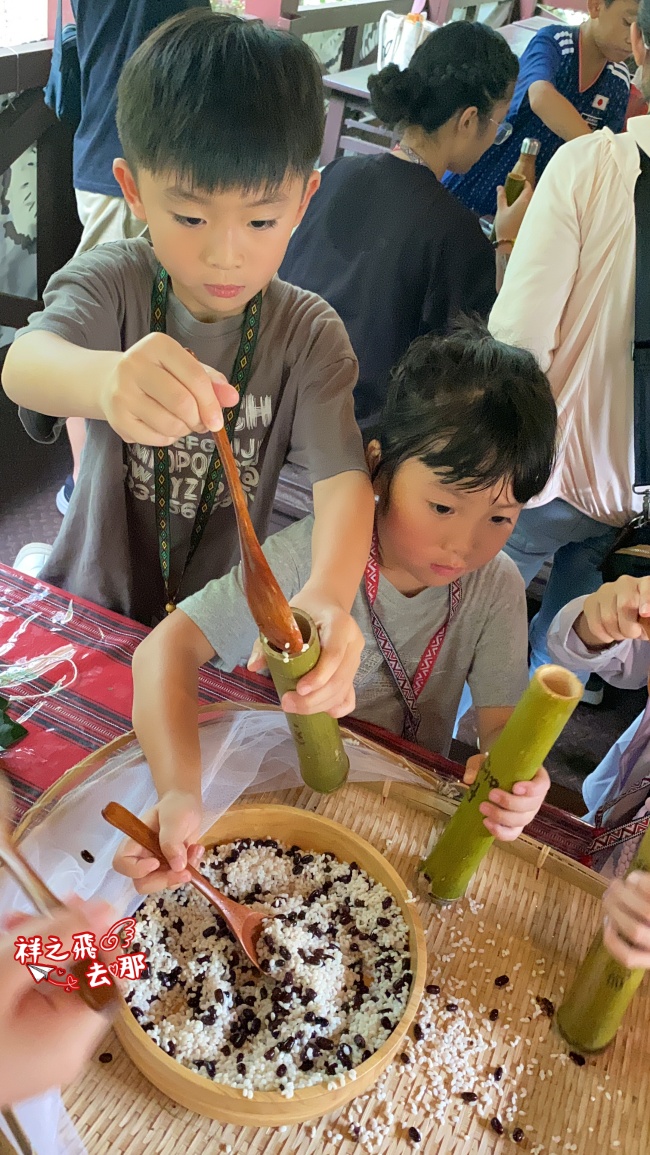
(486, 643)
(298, 407)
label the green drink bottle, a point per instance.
(600, 993)
(522, 171)
(542, 712)
(324, 764)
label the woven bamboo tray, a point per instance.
(544, 909)
(312, 832)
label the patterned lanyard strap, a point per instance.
(409, 690)
(239, 378)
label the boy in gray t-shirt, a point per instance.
(466, 438)
(142, 340)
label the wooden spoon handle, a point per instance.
(30, 882)
(122, 819)
(266, 601)
(244, 522)
(268, 606)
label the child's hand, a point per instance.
(627, 920)
(329, 687)
(157, 392)
(612, 613)
(177, 822)
(505, 815)
(47, 1035)
(508, 219)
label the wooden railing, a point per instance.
(350, 15)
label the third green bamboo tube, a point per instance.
(600, 993)
(324, 764)
(542, 712)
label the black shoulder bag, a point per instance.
(630, 553)
(62, 92)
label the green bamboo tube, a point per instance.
(541, 714)
(600, 993)
(324, 764)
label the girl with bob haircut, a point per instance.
(467, 437)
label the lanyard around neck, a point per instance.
(239, 379)
(409, 690)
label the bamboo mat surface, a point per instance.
(531, 924)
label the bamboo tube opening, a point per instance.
(305, 626)
(559, 682)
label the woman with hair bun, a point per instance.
(383, 241)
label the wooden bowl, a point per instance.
(310, 832)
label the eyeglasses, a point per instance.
(504, 130)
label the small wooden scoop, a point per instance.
(244, 923)
(266, 602)
(101, 998)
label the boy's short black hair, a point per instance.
(221, 103)
(475, 408)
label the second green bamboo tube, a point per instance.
(324, 764)
(541, 713)
(600, 993)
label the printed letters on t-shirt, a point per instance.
(189, 460)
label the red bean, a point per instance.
(546, 1006)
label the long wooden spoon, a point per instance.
(101, 998)
(244, 923)
(266, 602)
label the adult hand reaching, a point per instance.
(47, 1034)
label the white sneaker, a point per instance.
(64, 495)
(31, 558)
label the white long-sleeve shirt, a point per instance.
(625, 664)
(568, 296)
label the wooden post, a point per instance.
(29, 121)
(58, 225)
